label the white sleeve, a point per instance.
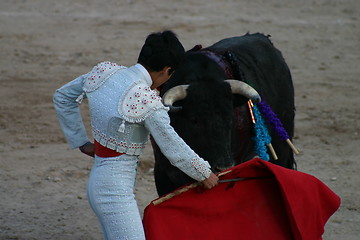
(68, 112)
(174, 147)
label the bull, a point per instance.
(210, 111)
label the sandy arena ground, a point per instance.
(45, 44)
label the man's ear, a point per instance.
(167, 70)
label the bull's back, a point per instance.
(255, 43)
(263, 67)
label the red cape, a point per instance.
(278, 204)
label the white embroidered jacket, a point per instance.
(123, 111)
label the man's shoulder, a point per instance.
(99, 74)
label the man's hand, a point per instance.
(88, 149)
(211, 181)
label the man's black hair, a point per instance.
(161, 49)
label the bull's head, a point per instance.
(204, 116)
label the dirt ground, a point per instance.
(45, 44)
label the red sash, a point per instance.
(105, 152)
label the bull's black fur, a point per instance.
(216, 124)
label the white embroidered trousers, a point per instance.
(111, 196)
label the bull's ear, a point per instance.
(196, 48)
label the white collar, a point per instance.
(141, 70)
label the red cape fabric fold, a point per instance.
(274, 203)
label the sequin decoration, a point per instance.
(138, 103)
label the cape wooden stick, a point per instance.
(181, 190)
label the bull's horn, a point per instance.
(238, 87)
(175, 94)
